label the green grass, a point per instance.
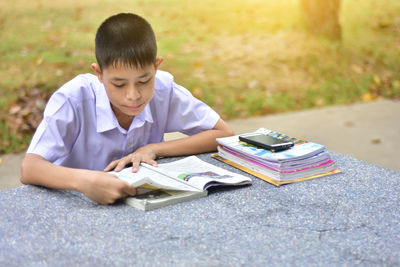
(244, 58)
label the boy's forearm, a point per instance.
(199, 143)
(36, 170)
(99, 186)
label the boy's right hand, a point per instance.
(105, 188)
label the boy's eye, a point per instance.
(118, 85)
(144, 82)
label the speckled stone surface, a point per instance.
(344, 219)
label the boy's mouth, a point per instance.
(134, 107)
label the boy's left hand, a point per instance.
(144, 154)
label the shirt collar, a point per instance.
(106, 119)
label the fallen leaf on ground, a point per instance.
(367, 97)
(252, 84)
(377, 80)
(349, 123)
(376, 141)
(197, 91)
(357, 69)
(319, 102)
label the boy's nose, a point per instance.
(133, 93)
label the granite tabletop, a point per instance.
(351, 218)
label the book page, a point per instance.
(146, 176)
(200, 174)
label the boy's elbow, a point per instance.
(229, 132)
(24, 172)
(226, 133)
(27, 168)
(224, 128)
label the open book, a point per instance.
(176, 181)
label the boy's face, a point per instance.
(129, 89)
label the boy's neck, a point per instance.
(124, 120)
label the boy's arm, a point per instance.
(199, 143)
(99, 186)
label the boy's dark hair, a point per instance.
(125, 39)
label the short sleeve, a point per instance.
(188, 114)
(55, 135)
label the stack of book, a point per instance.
(305, 160)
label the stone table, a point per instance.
(344, 219)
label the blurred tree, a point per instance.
(322, 17)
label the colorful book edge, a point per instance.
(269, 179)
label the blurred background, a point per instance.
(243, 58)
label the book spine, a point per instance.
(329, 162)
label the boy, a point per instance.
(92, 124)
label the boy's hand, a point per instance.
(144, 154)
(105, 188)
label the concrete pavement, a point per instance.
(366, 131)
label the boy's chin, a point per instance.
(123, 111)
(132, 111)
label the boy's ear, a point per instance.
(159, 60)
(96, 68)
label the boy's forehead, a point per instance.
(128, 66)
(123, 69)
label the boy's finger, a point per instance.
(129, 190)
(150, 161)
(135, 164)
(121, 164)
(111, 166)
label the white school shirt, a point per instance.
(80, 130)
